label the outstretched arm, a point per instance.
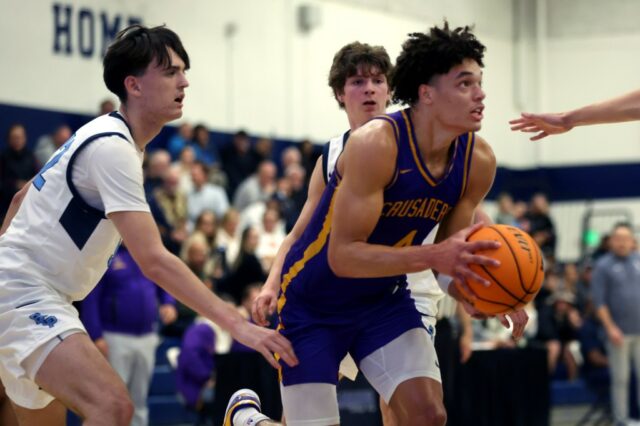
(615, 110)
(140, 234)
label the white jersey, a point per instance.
(61, 236)
(423, 285)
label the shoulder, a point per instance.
(483, 153)
(375, 135)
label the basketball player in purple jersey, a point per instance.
(310, 261)
(343, 286)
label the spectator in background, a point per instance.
(505, 210)
(247, 268)
(195, 253)
(520, 210)
(206, 227)
(205, 151)
(258, 187)
(107, 106)
(180, 139)
(558, 325)
(570, 278)
(271, 237)
(205, 195)
(196, 365)
(264, 149)
(289, 157)
(157, 166)
(310, 155)
(541, 225)
(602, 249)
(296, 176)
(48, 144)
(120, 315)
(168, 206)
(616, 297)
(228, 236)
(239, 161)
(17, 165)
(595, 368)
(583, 287)
(184, 163)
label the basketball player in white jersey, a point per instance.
(358, 78)
(63, 228)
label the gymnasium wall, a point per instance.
(259, 64)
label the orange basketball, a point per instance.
(518, 278)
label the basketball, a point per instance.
(518, 278)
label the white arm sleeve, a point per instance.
(444, 281)
(115, 168)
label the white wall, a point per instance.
(269, 77)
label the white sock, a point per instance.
(248, 416)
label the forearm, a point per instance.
(605, 317)
(364, 260)
(174, 276)
(619, 109)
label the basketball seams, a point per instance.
(513, 255)
(538, 266)
(505, 289)
(495, 301)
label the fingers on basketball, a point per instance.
(518, 278)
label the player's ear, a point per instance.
(132, 85)
(425, 93)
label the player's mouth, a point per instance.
(370, 105)
(179, 100)
(477, 113)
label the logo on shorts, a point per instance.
(39, 319)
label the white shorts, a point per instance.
(426, 305)
(34, 318)
(410, 355)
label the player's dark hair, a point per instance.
(133, 49)
(425, 55)
(352, 57)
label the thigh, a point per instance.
(77, 374)
(411, 355)
(30, 326)
(310, 404)
(54, 414)
(319, 350)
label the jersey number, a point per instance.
(407, 240)
(39, 180)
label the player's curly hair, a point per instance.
(353, 55)
(425, 55)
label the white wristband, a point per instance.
(444, 281)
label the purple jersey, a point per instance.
(414, 203)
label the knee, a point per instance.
(431, 414)
(435, 415)
(118, 406)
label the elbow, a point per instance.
(337, 262)
(153, 265)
